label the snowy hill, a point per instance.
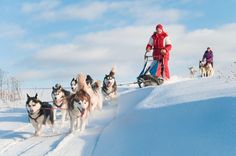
(182, 117)
(187, 118)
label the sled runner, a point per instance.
(148, 77)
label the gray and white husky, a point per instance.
(60, 98)
(109, 88)
(39, 113)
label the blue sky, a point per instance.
(50, 41)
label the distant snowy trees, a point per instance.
(9, 87)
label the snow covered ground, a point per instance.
(182, 117)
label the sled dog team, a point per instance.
(87, 95)
(205, 65)
(205, 69)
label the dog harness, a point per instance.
(60, 104)
(105, 91)
(40, 113)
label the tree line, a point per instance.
(10, 87)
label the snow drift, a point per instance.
(188, 118)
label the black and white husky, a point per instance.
(109, 88)
(39, 113)
(79, 109)
(60, 98)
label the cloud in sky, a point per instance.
(220, 39)
(44, 5)
(8, 30)
(70, 53)
(149, 13)
(29, 46)
(58, 35)
(54, 10)
(138, 11)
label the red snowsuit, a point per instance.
(158, 42)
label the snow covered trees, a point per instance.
(9, 87)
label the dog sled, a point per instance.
(147, 76)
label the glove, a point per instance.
(148, 49)
(163, 51)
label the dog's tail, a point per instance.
(113, 71)
(82, 81)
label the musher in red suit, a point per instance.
(161, 45)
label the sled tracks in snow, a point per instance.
(22, 141)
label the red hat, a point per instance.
(159, 26)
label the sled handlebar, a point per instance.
(146, 57)
(149, 57)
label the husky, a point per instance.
(206, 70)
(109, 88)
(74, 83)
(39, 113)
(60, 99)
(192, 72)
(202, 69)
(94, 91)
(79, 109)
(209, 70)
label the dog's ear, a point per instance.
(53, 88)
(36, 95)
(76, 80)
(58, 86)
(89, 77)
(28, 96)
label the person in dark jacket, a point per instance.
(208, 56)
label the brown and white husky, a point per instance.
(60, 98)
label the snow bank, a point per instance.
(196, 117)
(187, 91)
